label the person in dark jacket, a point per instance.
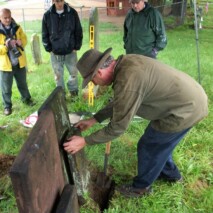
(171, 100)
(12, 61)
(144, 30)
(62, 37)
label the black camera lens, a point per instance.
(16, 52)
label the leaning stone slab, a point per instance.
(75, 165)
(56, 103)
(69, 201)
(37, 176)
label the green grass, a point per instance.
(2, 2)
(193, 155)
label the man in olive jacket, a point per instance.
(144, 30)
(170, 99)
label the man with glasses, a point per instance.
(144, 30)
(13, 61)
(62, 37)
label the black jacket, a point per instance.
(62, 33)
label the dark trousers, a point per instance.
(155, 156)
(6, 85)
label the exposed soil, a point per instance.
(101, 189)
(6, 162)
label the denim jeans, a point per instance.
(6, 85)
(58, 63)
(155, 156)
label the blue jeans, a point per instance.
(69, 60)
(6, 85)
(155, 156)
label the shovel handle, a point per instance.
(107, 150)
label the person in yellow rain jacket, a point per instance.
(12, 60)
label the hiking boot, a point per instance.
(74, 93)
(29, 102)
(132, 192)
(7, 111)
(170, 179)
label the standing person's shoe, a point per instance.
(132, 192)
(7, 111)
(29, 102)
(74, 93)
(170, 179)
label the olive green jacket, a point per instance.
(170, 99)
(144, 32)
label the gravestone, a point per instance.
(76, 165)
(43, 172)
(37, 175)
(56, 103)
(94, 44)
(68, 202)
(35, 48)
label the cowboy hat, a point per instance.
(90, 62)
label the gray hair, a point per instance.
(107, 62)
(136, 1)
(4, 10)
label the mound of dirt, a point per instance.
(6, 162)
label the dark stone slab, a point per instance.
(56, 103)
(36, 174)
(69, 201)
(75, 165)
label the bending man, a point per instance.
(172, 101)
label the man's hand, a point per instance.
(10, 43)
(18, 42)
(85, 124)
(74, 144)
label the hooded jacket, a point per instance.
(144, 32)
(5, 63)
(61, 33)
(170, 99)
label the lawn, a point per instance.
(193, 155)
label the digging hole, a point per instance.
(6, 162)
(102, 188)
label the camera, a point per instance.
(15, 50)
